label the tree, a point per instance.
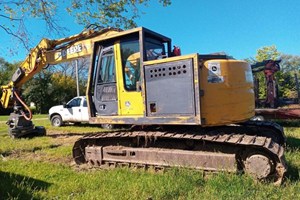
(63, 87)
(69, 68)
(290, 66)
(117, 13)
(47, 89)
(290, 63)
(6, 71)
(39, 91)
(267, 53)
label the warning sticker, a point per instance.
(214, 73)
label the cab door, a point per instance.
(105, 91)
(129, 77)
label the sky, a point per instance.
(237, 27)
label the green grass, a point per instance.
(42, 168)
(39, 116)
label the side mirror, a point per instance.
(65, 105)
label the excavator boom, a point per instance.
(47, 52)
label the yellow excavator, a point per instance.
(184, 110)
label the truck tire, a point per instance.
(56, 120)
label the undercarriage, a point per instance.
(234, 148)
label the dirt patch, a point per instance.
(38, 156)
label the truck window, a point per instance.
(84, 103)
(130, 54)
(74, 103)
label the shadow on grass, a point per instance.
(14, 186)
(292, 173)
(293, 144)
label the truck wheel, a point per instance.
(56, 121)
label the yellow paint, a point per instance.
(231, 100)
(130, 102)
(6, 93)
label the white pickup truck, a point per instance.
(74, 111)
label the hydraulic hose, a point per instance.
(25, 106)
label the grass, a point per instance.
(42, 168)
(39, 116)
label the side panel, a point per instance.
(170, 88)
(228, 92)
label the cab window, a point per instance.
(74, 103)
(130, 54)
(107, 71)
(154, 49)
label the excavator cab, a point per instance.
(116, 83)
(135, 78)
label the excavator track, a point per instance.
(211, 150)
(268, 129)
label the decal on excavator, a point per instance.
(214, 73)
(69, 51)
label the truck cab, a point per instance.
(75, 111)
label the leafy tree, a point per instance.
(267, 53)
(6, 71)
(290, 66)
(290, 63)
(117, 13)
(64, 87)
(47, 89)
(69, 69)
(39, 91)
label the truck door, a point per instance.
(84, 111)
(105, 92)
(73, 112)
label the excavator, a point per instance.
(189, 111)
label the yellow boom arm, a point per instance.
(52, 52)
